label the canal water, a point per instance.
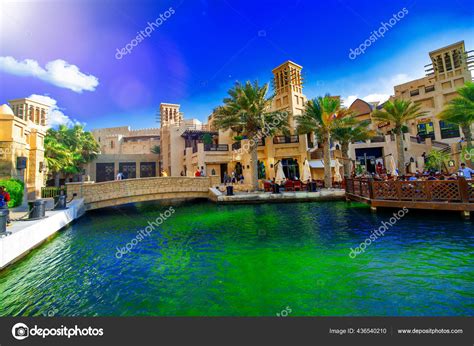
(247, 260)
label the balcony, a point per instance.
(216, 147)
(286, 139)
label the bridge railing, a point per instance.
(451, 191)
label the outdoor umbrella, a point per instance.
(393, 166)
(306, 172)
(337, 174)
(280, 175)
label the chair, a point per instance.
(297, 185)
(289, 186)
(267, 186)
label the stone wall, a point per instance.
(110, 193)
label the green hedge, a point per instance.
(15, 188)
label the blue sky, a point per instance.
(200, 48)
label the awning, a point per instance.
(320, 163)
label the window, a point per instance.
(426, 130)
(147, 169)
(290, 168)
(111, 144)
(429, 88)
(414, 92)
(449, 130)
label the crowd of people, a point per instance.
(233, 178)
(464, 171)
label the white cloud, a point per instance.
(57, 72)
(347, 101)
(56, 116)
(377, 90)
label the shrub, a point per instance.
(15, 188)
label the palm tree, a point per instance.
(436, 160)
(246, 111)
(460, 111)
(67, 150)
(57, 157)
(348, 130)
(156, 150)
(319, 117)
(398, 113)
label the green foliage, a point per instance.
(245, 112)
(156, 150)
(207, 138)
(15, 188)
(404, 129)
(359, 169)
(460, 111)
(437, 160)
(398, 113)
(321, 116)
(348, 130)
(68, 149)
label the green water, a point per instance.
(247, 260)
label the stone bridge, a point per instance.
(118, 192)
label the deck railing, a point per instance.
(451, 191)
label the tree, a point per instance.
(436, 160)
(460, 111)
(156, 150)
(319, 117)
(348, 130)
(398, 113)
(246, 111)
(207, 139)
(67, 150)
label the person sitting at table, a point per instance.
(432, 176)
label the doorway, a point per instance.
(223, 170)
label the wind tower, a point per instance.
(288, 87)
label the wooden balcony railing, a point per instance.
(286, 139)
(216, 147)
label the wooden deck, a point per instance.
(455, 195)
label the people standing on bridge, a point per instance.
(119, 176)
(197, 173)
(202, 172)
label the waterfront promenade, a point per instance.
(25, 235)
